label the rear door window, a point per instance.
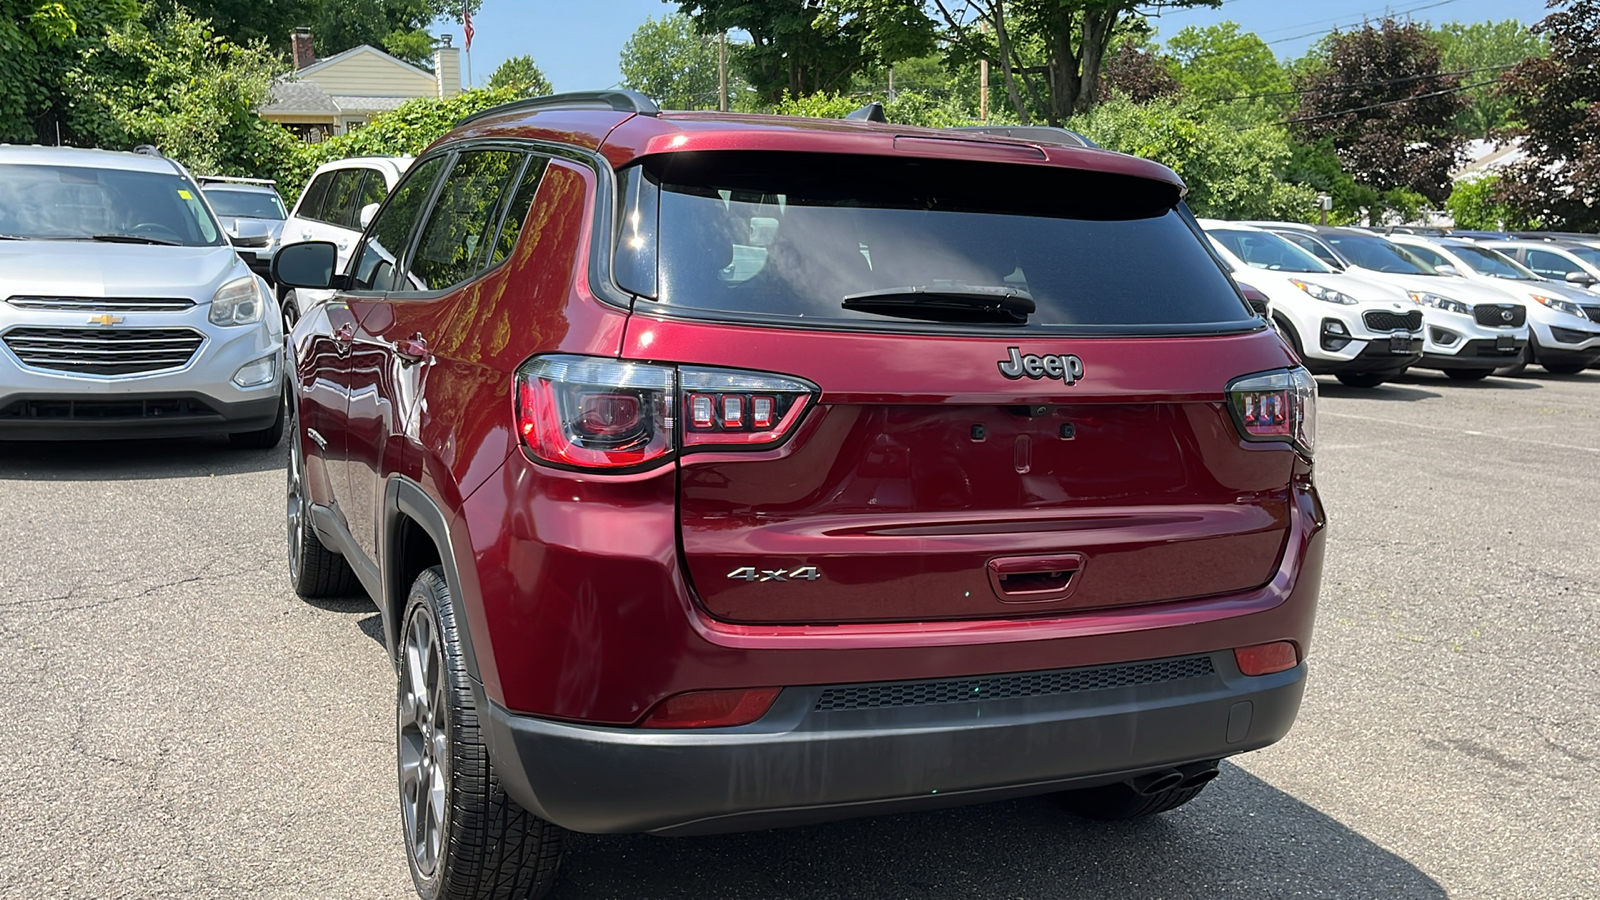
(316, 195)
(344, 195)
(454, 244)
(391, 231)
(791, 238)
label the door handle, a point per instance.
(343, 338)
(412, 350)
(1034, 579)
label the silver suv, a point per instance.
(126, 312)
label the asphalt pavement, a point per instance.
(178, 724)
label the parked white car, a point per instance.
(124, 310)
(1472, 329)
(1360, 331)
(338, 202)
(1563, 320)
(1569, 262)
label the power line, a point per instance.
(1361, 84)
(1387, 12)
(1413, 99)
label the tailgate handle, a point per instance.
(1035, 579)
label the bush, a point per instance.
(907, 108)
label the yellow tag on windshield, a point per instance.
(185, 195)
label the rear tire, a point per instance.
(314, 571)
(1120, 803)
(268, 437)
(1563, 368)
(1362, 379)
(1467, 374)
(464, 836)
(1286, 332)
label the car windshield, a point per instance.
(1265, 250)
(1589, 255)
(1484, 261)
(874, 243)
(241, 204)
(1377, 254)
(56, 203)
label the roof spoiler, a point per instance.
(872, 112)
(1039, 134)
(617, 99)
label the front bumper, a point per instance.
(1377, 355)
(1485, 353)
(54, 417)
(800, 764)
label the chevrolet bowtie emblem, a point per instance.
(105, 320)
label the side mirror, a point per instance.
(308, 265)
(1580, 278)
(1446, 269)
(250, 233)
(367, 212)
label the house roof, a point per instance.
(364, 48)
(288, 97)
(349, 104)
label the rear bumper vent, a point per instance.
(1387, 321)
(901, 694)
(104, 351)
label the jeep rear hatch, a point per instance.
(1000, 391)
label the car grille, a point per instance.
(103, 304)
(1493, 316)
(104, 351)
(1005, 687)
(1387, 321)
(104, 410)
(1594, 313)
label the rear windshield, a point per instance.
(245, 204)
(42, 202)
(791, 237)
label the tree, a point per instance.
(1231, 173)
(667, 60)
(41, 43)
(399, 27)
(806, 46)
(905, 108)
(1221, 63)
(1137, 74)
(1556, 100)
(1485, 46)
(522, 76)
(1050, 50)
(1475, 204)
(1386, 109)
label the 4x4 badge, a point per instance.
(1066, 366)
(751, 573)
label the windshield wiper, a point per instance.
(14, 237)
(954, 303)
(133, 239)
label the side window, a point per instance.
(316, 195)
(516, 214)
(392, 230)
(454, 241)
(373, 190)
(1428, 256)
(340, 208)
(1550, 265)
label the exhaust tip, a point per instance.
(1156, 782)
(1196, 774)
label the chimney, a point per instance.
(447, 67)
(304, 52)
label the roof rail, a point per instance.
(233, 179)
(1039, 134)
(618, 99)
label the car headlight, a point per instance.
(1440, 302)
(1566, 306)
(239, 302)
(1323, 293)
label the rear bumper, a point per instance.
(800, 765)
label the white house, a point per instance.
(325, 97)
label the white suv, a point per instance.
(1360, 331)
(124, 311)
(338, 202)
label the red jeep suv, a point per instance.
(718, 472)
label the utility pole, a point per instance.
(983, 82)
(722, 72)
(891, 82)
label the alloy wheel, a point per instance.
(423, 741)
(295, 514)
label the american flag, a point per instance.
(466, 25)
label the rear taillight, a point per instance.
(591, 413)
(1276, 406)
(711, 709)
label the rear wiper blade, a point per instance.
(14, 237)
(953, 303)
(132, 239)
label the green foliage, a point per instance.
(667, 60)
(1231, 173)
(907, 108)
(1481, 45)
(1475, 205)
(1220, 62)
(399, 27)
(42, 43)
(521, 75)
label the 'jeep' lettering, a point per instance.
(1066, 367)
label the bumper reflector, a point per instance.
(1265, 659)
(711, 709)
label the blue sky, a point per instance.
(577, 42)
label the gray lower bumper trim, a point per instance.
(798, 765)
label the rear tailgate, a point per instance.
(936, 488)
